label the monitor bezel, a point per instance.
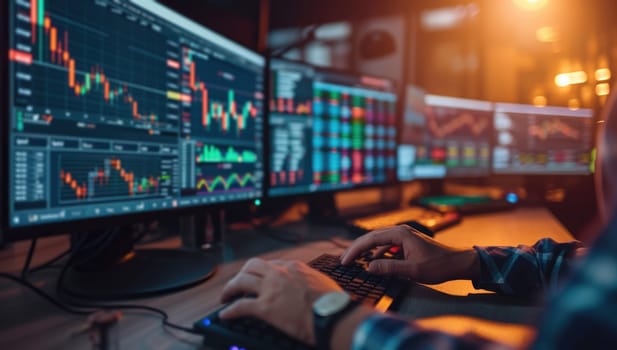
(326, 70)
(4, 107)
(16, 233)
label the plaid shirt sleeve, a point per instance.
(521, 270)
(388, 332)
(525, 270)
(582, 314)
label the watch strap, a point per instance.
(324, 326)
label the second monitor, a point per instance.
(329, 130)
(444, 137)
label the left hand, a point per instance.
(284, 294)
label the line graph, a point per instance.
(464, 121)
(552, 128)
(224, 183)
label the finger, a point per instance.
(349, 249)
(256, 266)
(379, 252)
(241, 308)
(386, 236)
(243, 283)
(388, 267)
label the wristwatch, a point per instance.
(327, 310)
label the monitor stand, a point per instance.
(322, 209)
(105, 265)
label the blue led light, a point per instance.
(511, 197)
(206, 322)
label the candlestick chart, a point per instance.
(85, 68)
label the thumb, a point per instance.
(239, 308)
(388, 267)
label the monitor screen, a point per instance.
(123, 107)
(444, 137)
(329, 131)
(542, 140)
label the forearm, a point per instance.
(459, 264)
(464, 264)
(344, 330)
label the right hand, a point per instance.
(424, 259)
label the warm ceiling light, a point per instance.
(530, 5)
(562, 80)
(547, 34)
(602, 89)
(571, 78)
(539, 101)
(603, 74)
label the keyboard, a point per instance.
(466, 205)
(427, 221)
(251, 333)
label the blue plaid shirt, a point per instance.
(582, 315)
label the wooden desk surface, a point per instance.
(28, 322)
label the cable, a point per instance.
(24, 270)
(44, 295)
(77, 308)
(50, 262)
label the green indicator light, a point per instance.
(257, 202)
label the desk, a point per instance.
(28, 322)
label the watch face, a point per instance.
(331, 303)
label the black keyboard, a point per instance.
(251, 333)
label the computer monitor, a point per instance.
(542, 140)
(329, 130)
(444, 137)
(118, 109)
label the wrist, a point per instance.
(468, 264)
(346, 327)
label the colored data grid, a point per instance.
(354, 135)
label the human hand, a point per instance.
(284, 294)
(424, 259)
